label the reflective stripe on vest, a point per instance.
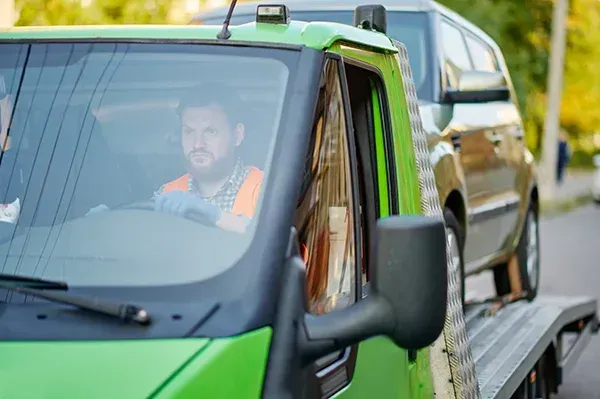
(246, 198)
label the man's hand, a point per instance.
(181, 202)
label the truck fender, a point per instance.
(528, 189)
(450, 180)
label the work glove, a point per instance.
(97, 209)
(181, 203)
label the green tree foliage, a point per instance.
(581, 96)
(51, 12)
(76, 12)
(133, 12)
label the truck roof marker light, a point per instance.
(371, 17)
(273, 14)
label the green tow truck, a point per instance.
(338, 287)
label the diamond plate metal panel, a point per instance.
(507, 345)
(451, 358)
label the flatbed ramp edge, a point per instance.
(507, 345)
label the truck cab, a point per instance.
(336, 287)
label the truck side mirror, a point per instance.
(407, 301)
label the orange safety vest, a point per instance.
(246, 198)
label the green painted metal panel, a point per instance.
(317, 35)
(227, 368)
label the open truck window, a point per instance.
(327, 210)
(95, 124)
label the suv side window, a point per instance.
(455, 49)
(481, 54)
(326, 212)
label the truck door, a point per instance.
(340, 202)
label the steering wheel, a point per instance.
(148, 205)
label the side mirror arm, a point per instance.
(324, 334)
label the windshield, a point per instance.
(94, 133)
(408, 27)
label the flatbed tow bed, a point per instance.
(507, 343)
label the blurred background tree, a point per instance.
(85, 12)
(521, 28)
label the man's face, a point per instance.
(209, 140)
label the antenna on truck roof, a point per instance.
(225, 33)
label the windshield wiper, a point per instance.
(32, 282)
(36, 287)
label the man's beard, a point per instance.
(219, 168)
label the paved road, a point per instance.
(570, 266)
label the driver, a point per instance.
(218, 185)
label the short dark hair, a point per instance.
(203, 95)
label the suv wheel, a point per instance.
(528, 256)
(455, 239)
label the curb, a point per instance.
(556, 208)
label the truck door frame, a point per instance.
(335, 371)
